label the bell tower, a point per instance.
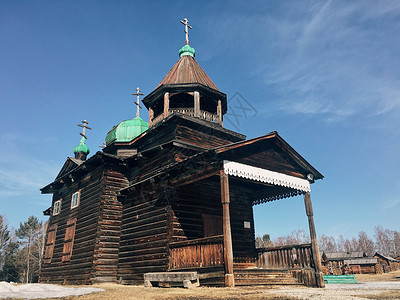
(186, 90)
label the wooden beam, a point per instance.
(226, 224)
(151, 116)
(196, 104)
(314, 242)
(219, 113)
(166, 104)
(193, 177)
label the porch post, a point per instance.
(228, 250)
(219, 113)
(196, 104)
(314, 242)
(151, 115)
(166, 104)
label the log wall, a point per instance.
(144, 236)
(78, 269)
(109, 228)
(96, 234)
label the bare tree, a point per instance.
(340, 243)
(263, 242)
(382, 238)
(347, 246)
(396, 244)
(327, 243)
(31, 235)
(365, 244)
(4, 240)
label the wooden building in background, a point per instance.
(177, 193)
(386, 263)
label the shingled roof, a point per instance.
(187, 70)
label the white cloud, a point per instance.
(337, 59)
(391, 203)
(336, 66)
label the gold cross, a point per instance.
(186, 23)
(137, 94)
(84, 128)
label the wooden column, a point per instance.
(228, 250)
(196, 104)
(219, 112)
(314, 242)
(151, 116)
(166, 104)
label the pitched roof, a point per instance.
(70, 164)
(361, 261)
(187, 70)
(386, 257)
(344, 255)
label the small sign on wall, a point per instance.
(246, 224)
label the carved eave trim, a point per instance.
(266, 176)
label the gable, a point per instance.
(70, 164)
(269, 152)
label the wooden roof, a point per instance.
(344, 255)
(388, 258)
(271, 152)
(361, 261)
(263, 151)
(187, 70)
(70, 164)
(73, 170)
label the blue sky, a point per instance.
(324, 74)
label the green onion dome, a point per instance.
(187, 50)
(81, 148)
(127, 130)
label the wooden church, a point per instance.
(177, 194)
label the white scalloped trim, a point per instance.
(267, 176)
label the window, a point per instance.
(69, 240)
(57, 207)
(49, 247)
(75, 199)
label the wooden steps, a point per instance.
(264, 277)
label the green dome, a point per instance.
(81, 148)
(187, 50)
(127, 130)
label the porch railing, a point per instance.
(198, 253)
(285, 257)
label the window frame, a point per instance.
(78, 200)
(58, 211)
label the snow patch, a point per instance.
(38, 290)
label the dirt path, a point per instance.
(392, 276)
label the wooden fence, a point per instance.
(198, 253)
(285, 257)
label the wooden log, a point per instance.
(228, 250)
(314, 242)
(166, 104)
(196, 104)
(219, 113)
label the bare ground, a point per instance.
(385, 286)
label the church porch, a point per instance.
(246, 265)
